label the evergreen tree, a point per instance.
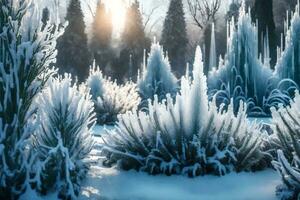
(262, 13)
(174, 36)
(134, 40)
(102, 36)
(73, 53)
(26, 52)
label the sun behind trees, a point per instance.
(102, 29)
(73, 52)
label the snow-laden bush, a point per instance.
(187, 136)
(286, 126)
(63, 139)
(288, 64)
(111, 99)
(157, 79)
(27, 50)
(287, 135)
(243, 76)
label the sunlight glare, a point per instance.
(118, 12)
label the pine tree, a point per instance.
(174, 36)
(27, 50)
(262, 13)
(73, 53)
(133, 40)
(102, 36)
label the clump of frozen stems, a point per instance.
(187, 135)
(111, 99)
(287, 130)
(63, 139)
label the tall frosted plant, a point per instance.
(287, 134)
(243, 76)
(288, 64)
(187, 136)
(157, 79)
(63, 139)
(27, 50)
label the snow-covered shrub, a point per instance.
(188, 135)
(288, 64)
(63, 139)
(286, 125)
(157, 79)
(111, 99)
(27, 50)
(243, 76)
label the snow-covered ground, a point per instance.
(104, 183)
(113, 184)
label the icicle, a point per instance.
(278, 53)
(187, 71)
(266, 60)
(221, 62)
(130, 71)
(138, 78)
(212, 52)
(292, 72)
(281, 43)
(144, 62)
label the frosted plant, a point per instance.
(63, 139)
(157, 78)
(287, 135)
(111, 99)
(243, 76)
(288, 64)
(188, 135)
(27, 50)
(286, 126)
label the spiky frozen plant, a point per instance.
(111, 99)
(27, 50)
(286, 126)
(157, 79)
(287, 132)
(187, 136)
(243, 76)
(288, 64)
(63, 139)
